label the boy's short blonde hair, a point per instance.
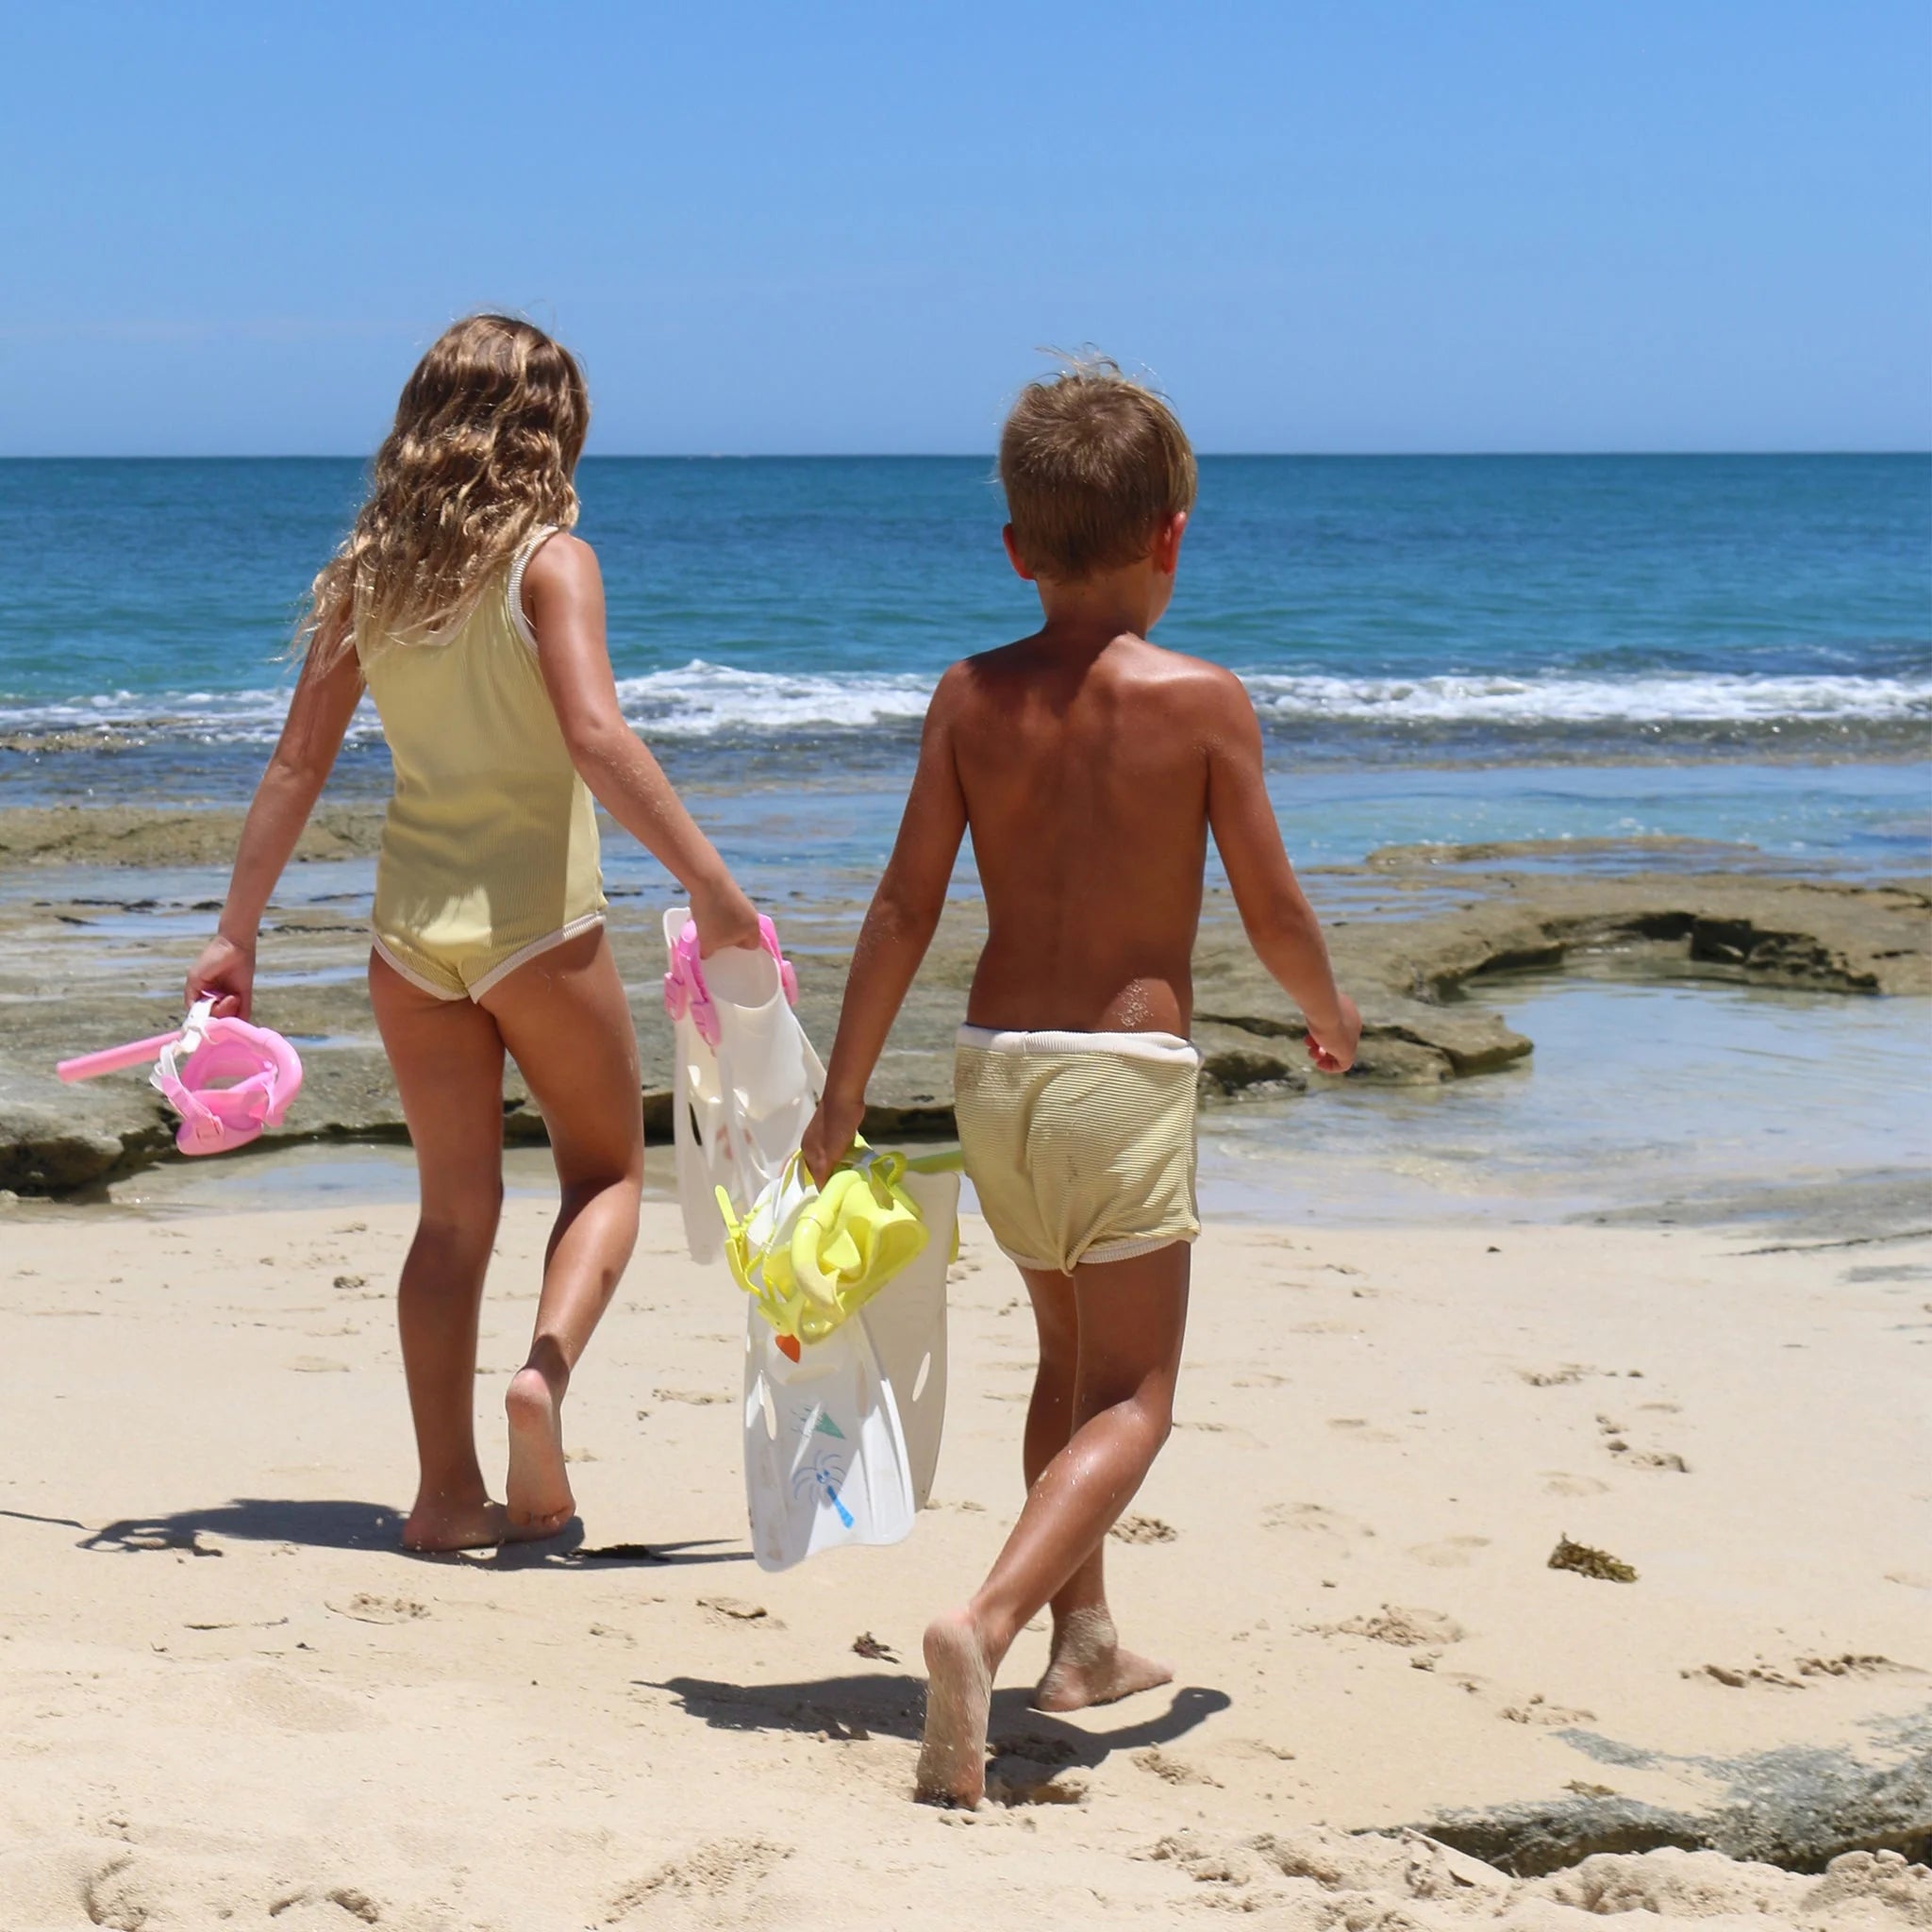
(1091, 461)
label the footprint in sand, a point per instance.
(1538, 1710)
(1557, 1377)
(366, 1608)
(710, 1871)
(358, 1904)
(1013, 1781)
(734, 1612)
(1143, 1529)
(1452, 1553)
(1172, 1770)
(1560, 1482)
(317, 1365)
(1409, 1629)
(1339, 1533)
(273, 1697)
(700, 1398)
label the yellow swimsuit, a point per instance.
(490, 847)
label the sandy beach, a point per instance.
(230, 1699)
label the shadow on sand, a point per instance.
(321, 1525)
(1028, 1746)
(341, 1525)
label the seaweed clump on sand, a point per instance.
(1586, 1561)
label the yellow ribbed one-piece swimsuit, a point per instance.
(490, 846)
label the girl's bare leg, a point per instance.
(1130, 1317)
(1086, 1664)
(564, 1018)
(448, 1063)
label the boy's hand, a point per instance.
(725, 917)
(1333, 1048)
(829, 1139)
(226, 970)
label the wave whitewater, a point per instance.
(703, 700)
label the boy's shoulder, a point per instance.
(1170, 676)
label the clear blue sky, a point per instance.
(1555, 224)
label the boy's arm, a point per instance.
(898, 927)
(1280, 923)
(563, 591)
(319, 714)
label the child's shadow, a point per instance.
(321, 1523)
(329, 1523)
(1029, 1745)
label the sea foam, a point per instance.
(703, 700)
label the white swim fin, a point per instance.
(824, 1457)
(740, 1106)
(906, 1323)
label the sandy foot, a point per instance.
(959, 1698)
(541, 1502)
(435, 1525)
(1090, 1667)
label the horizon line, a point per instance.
(961, 455)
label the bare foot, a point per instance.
(1088, 1666)
(436, 1522)
(959, 1698)
(541, 1503)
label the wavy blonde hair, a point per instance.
(487, 436)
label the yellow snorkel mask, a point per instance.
(811, 1258)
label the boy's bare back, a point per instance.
(1086, 776)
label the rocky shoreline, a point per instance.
(95, 955)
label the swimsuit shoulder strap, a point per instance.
(514, 590)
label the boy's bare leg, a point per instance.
(564, 1018)
(1087, 1664)
(1130, 1317)
(448, 1063)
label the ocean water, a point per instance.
(1734, 651)
(1727, 647)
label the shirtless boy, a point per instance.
(1089, 767)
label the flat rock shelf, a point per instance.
(101, 916)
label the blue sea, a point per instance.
(1735, 648)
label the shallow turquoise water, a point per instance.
(1637, 1092)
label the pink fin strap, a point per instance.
(684, 986)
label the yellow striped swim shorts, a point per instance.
(1080, 1146)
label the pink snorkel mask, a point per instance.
(226, 1079)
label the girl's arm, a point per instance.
(319, 714)
(898, 928)
(563, 596)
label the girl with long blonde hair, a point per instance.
(464, 606)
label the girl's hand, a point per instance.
(725, 917)
(829, 1139)
(226, 970)
(1333, 1049)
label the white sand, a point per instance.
(240, 1712)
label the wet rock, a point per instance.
(1416, 967)
(54, 1138)
(1798, 1807)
